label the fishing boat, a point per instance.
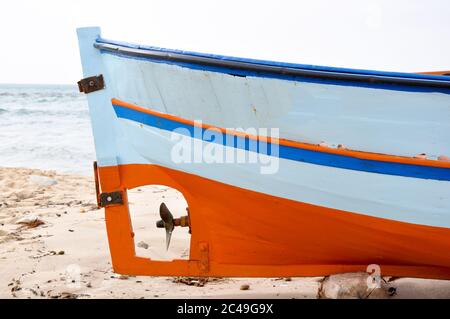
(287, 169)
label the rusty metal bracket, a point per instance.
(97, 184)
(110, 199)
(91, 84)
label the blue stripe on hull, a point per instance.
(293, 153)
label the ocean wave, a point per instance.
(24, 111)
(47, 127)
(50, 114)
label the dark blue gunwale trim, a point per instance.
(287, 71)
(293, 153)
(281, 64)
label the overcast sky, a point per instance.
(39, 44)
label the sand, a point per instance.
(53, 244)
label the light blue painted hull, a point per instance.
(393, 120)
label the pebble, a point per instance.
(142, 244)
(352, 286)
(121, 277)
(28, 219)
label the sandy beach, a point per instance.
(53, 244)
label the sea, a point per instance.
(45, 127)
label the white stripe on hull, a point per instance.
(412, 200)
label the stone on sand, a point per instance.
(142, 244)
(352, 286)
(28, 219)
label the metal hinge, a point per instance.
(91, 84)
(110, 199)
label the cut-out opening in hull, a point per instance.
(150, 241)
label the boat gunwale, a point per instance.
(271, 67)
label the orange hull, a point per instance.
(237, 232)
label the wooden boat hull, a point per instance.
(268, 236)
(323, 210)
